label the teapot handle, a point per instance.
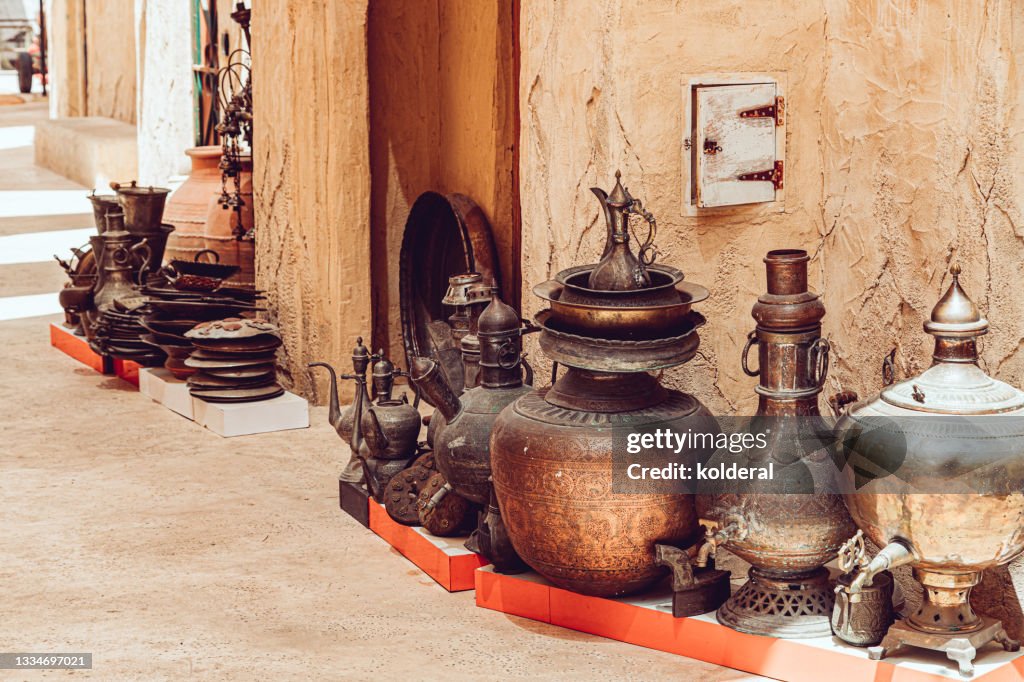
(646, 253)
(145, 248)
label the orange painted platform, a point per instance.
(647, 621)
(127, 370)
(443, 559)
(77, 347)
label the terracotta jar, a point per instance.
(188, 206)
(199, 221)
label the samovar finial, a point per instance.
(956, 309)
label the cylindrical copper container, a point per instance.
(787, 538)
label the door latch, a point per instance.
(711, 147)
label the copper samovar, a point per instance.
(552, 449)
(933, 473)
(787, 537)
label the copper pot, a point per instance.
(787, 538)
(551, 454)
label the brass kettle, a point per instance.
(932, 472)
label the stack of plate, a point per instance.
(119, 333)
(235, 361)
(173, 312)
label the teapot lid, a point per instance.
(955, 384)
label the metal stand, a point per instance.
(961, 647)
(790, 607)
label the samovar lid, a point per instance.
(955, 384)
(498, 318)
(955, 314)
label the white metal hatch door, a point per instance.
(733, 139)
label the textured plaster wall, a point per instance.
(312, 179)
(441, 119)
(166, 125)
(903, 154)
(110, 59)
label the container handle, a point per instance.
(820, 350)
(751, 341)
(145, 248)
(216, 256)
(889, 368)
(646, 252)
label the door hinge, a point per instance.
(773, 176)
(776, 111)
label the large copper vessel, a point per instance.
(787, 537)
(949, 498)
(552, 449)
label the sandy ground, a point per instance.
(170, 553)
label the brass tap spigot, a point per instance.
(734, 528)
(893, 555)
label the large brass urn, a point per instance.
(552, 449)
(787, 529)
(934, 475)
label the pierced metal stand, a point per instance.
(960, 647)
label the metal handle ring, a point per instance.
(820, 348)
(508, 349)
(751, 340)
(889, 368)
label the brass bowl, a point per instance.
(621, 322)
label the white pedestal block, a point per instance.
(284, 412)
(160, 385)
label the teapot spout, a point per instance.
(334, 414)
(426, 375)
(602, 196)
(374, 435)
(894, 554)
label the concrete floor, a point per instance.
(169, 552)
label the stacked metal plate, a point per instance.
(119, 333)
(172, 312)
(235, 360)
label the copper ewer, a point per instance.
(953, 506)
(787, 537)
